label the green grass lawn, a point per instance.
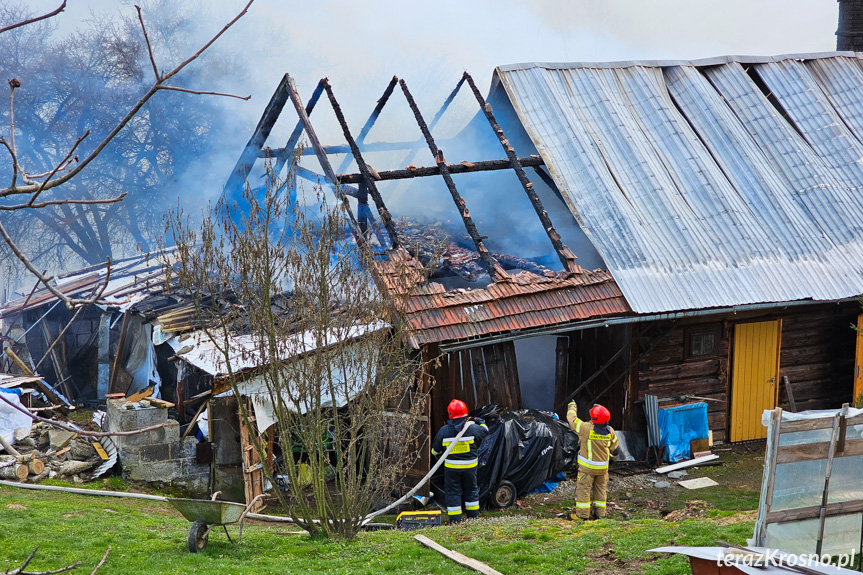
(150, 537)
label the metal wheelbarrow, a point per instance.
(206, 514)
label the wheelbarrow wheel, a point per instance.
(198, 535)
(504, 495)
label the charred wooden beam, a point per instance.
(495, 271)
(372, 189)
(365, 148)
(325, 163)
(462, 168)
(382, 101)
(259, 136)
(566, 256)
(287, 152)
(410, 157)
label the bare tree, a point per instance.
(326, 342)
(27, 190)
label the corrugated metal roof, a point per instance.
(731, 181)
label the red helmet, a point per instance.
(599, 414)
(457, 408)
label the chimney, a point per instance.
(849, 35)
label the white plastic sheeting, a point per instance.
(801, 484)
(348, 380)
(10, 418)
(141, 358)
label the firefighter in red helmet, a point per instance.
(597, 444)
(461, 463)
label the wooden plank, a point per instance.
(815, 451)
(160, 402)
(788, 393)
(818, 423)
(140, 395)
(814, 512)
(512, 374)
(822, 512)
(479, 376)
(40, 383)
(467, 380)
(770, 470)
(687, 463)
(462, 560)
(112, 381)
(495, 369)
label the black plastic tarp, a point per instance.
(526, 447)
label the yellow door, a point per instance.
(754, 377)
(858, 364)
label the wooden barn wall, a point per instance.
(817, 354)
(602, 356)
(478, 376)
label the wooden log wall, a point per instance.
(478, 376)
(816, 353)
(665, 373)
(590, 350)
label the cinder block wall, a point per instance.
(158, 455)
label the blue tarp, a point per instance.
(678, 426)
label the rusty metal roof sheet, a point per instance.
(706, 184)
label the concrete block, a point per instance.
(128, 456)
(154, 453)
(195, 485)
(150, 416)
(59, 438)
(162, 471)
(185, 449)
(191, 467)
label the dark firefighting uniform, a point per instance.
(597, 443)
(460, 466)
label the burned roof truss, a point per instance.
(363, 184)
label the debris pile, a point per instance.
(46, 452)
(432, 245)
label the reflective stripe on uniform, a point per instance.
(435, 453)
(589, 451)
(578, 427)
(590, 464)
(460, 463)
(465, 439)
(599, 503)
(471, 505)
(583, 505)
(453, 510)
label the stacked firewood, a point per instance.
(43, 452)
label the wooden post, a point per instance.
(120, 344)
(770, 472)
(479, 377)
(58, 362)
(512, 381)
(104, 359)
(822, 519)
(788, 393)
(561, 375)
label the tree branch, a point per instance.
(47, 203)
(102, 562)
(20, 570)
(34, 20)
(147, 41)
(200, 93)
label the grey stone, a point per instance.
(195, 485)
(677, 474)
(191, 467)
(187, 448)
(662, 485)
(21, 433)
